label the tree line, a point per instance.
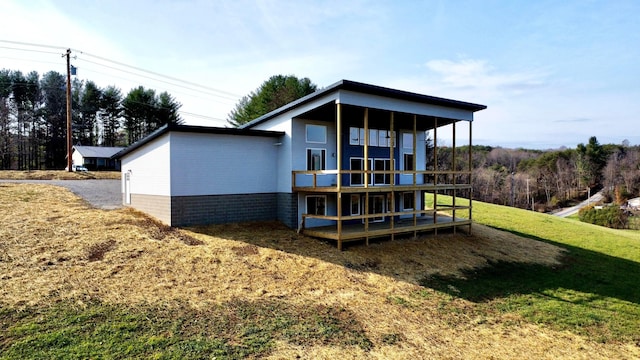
(33, 117)
(544, 180)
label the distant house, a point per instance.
(348, 162)
(96, 157)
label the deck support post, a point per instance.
(415, 168)
(339, 172)
(470, 177)
(453, 169)
(366, 175)
(392, 162)
(435, 174)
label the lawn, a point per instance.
(78, 282)
(593, 293)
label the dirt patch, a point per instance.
(96, 252)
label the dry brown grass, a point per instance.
(57, 175)
(54, 247)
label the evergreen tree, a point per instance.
(111, 115)
(139, 112)
(55, 117)
(278, 91)
(592, 158)
(89, 106)
(167, 112)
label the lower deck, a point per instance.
(354, 232)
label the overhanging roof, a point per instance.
(194, 129)
(370, 90)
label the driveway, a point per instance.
(102, 194)
(574, 209)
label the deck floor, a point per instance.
(357, 231)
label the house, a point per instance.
(96, 157)
(347, 162)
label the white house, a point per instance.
(347, 162)
(96, 157)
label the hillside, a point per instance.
(82, 282)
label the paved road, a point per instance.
(574, 209)
(103, 194)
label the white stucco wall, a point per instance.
(283, 154)
(206, 164)
(149, 168)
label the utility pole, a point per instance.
(513, 192)
(527, 192)
(69, 134)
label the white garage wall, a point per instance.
(207, 164)
(149, 168)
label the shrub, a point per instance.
(610, 216)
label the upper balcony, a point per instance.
(378, 180)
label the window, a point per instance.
(373, 137)
(382, 165)
(354, 136)
(377, 206)
(378, 138)
(358, 164)
(408, 200)
(316, 134)
(355, 204)
(317, 205)
(407, 140)
(383, 138)
(316, 159)
(408, 162)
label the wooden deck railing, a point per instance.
(368, 174)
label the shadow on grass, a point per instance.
(581, 270)
(589, 293)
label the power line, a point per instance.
(158, 74)
(31, 50)
(210, 91)
(32, 44)
(226, 93)
(155, 79)
(200, 116)
(224, 101)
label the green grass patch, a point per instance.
(594, 292)
(231, 331)
(575, 217)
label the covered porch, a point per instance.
(365, 231)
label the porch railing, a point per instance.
(311, 180)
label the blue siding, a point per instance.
(350, 151)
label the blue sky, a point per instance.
(552, 73)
